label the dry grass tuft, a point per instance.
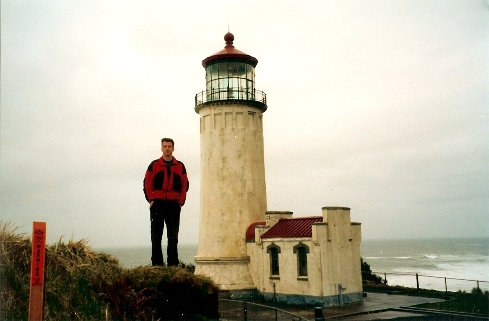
(14, 254)
(82, 284)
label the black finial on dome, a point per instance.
(229, 38)
(229, 53)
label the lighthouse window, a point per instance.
(301, 250)
(241, 70)
(232, 70)
(249, 90)
(249, 73)
(208, 74)
(223, 70)
(223, 83)
(273, 251)
(242, 83)
(230, 80)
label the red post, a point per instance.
(36, 296)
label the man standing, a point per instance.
(165, 188)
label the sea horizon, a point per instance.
(96, 247)
(462, 261)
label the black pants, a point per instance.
(161, 213)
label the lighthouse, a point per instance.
(233, 191)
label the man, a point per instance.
(165, 188)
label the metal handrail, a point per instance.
(246, 314)
(417, 275)
(230, 94)
(432, 276)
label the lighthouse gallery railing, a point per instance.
(230, 94)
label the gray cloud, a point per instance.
(379, 106)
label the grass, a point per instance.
(81, 284)
(475, 302)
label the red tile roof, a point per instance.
(294, 227)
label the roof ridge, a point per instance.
(292, 227)
(301, 218)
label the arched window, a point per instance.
(301, 250)
(273, 251)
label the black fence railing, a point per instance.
(236, 310)
(252, 95)
(449, 283)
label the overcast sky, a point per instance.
(381, 106)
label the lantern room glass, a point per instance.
(230, 80)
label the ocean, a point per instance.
(461, 261)
(452, 264)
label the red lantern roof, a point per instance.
(230, 53)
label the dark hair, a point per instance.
(168, 140)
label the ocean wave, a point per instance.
(465, 270)
(457, 260)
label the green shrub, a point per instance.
(367, 274)
(166, 293)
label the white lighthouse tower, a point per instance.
(233, 193)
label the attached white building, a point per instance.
(307, 260)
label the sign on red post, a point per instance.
(36, 296)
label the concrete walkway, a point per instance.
(376, 306)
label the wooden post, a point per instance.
(417, 281)
(36, 295)
(446, 288)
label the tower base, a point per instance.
(229, 273)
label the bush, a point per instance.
(478, 292)
(81, 284)
(367, 274)
(172, 293)
(74, 278)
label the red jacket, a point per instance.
(163, 182)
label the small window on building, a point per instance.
(301, 250)
(273, 251)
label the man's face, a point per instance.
(167, 149)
